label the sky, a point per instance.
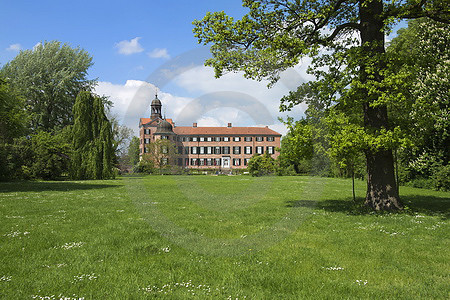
(140, 47)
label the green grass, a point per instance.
(219, 237)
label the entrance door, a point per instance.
(226, 162)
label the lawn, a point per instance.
(219, 237)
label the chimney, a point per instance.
(229, 124)
(194, 125)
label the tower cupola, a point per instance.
(156, 108)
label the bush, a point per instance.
(260, 165)
(145, 166)
(441, 181)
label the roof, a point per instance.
(144, 121)
(185, 130)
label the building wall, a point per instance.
(186, 141)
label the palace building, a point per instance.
(208, 147)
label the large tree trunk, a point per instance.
(381, 185)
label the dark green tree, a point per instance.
(13, 117)
(49, 77)
(92, 141)
(51, 155)
(346, 40)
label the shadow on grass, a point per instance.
(41, 186)
(428, 205)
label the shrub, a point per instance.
(260, 165)
(441, 181)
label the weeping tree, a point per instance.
(92, 140)
(345, 38)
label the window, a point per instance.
(236, 161)
(202, 150)
(270, 139)
(193, 150)
(146, 131)
(225, 150)
(164, 137)
(209, 150)
(164, 149)
(146, 141)
(209, 161)
(145, 149)
(164, 161)
(270, 149)
(202, 139)
(248, 150)
(217, 161)
(186, 150)
(209, 139)
(246, 160)
(259, 138)
(217, 139)
(216, 150)
(202, 161)
(236, 150)
(226, 139)
(194, 139)
(248, 138)
(193, 161)
(259, 150)
(186, 161)
(237, 139)
(180, 151)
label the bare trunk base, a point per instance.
(382, 193)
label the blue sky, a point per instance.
(133, 44)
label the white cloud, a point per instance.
(159, 53)
(132, 101)
(129, 47)
(14, 47)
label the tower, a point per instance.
(156, 108)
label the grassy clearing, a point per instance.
(206, 237)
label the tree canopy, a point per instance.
(346, 39)
(49, 77)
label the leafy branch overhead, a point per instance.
(274, 35)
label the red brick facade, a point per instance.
(212, 147)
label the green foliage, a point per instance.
(260, 165)
(49, 77)
(51, 155)
(441, 179)
(133, 150)
(13, 118)
(92, 139)
(16, 159)
(420, 54)
(145, 166)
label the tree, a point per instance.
(346, 40)
(421, 56)
(133, 150)
(13, 118)
(51, 155)
(49, 77)
(260, 165)
(163, 153)
(92, 141)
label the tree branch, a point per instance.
(341, 27)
